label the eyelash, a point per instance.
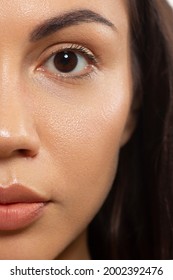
(75, 48)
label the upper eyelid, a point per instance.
(55, 48)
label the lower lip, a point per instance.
(19, 215)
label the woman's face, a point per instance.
(65, 95)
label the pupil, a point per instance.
(65, 61)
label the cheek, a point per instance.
(82, 141)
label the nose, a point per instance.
(18, 135)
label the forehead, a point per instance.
(25, 14)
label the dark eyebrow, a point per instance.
(75, 17)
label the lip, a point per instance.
(19, 207)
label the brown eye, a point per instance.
(74, 61)
(65, 61)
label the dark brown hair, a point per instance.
(136, 220)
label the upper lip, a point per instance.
(18, 193)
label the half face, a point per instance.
(65, 95)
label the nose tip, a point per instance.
(18, 134)
(19, 143)
(22, 144)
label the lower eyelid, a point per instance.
(89, 68)
(63, 79)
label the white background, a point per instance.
(171, 1)
(99, 267)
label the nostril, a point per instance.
(19, 144)
(25, 153)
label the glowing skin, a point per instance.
(70, 128)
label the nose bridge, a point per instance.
(14, 118)
(17, 130)
(10, 63)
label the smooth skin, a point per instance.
(70, 127)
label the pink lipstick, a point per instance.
(19, 207)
